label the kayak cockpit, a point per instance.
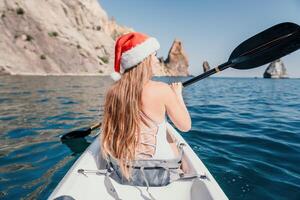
(92, 186)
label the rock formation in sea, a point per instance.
(176, 63)
(206, 66)
(59, 37)
(276, 69)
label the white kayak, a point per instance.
(91, 186)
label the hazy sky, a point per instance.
(209, 29)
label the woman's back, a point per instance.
(153, 104)
(157, 99)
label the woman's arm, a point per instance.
(176, 108)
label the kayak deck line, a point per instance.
(84, 179)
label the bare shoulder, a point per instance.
(159, 89)
(159, 85)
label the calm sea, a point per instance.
(246, 131)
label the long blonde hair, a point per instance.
(121, 118)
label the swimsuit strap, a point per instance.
(156, 123)
(145, 138)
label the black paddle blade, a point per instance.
(76, 134)
(266, 46)
(80, 133)
(76, 145)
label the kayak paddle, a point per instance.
(80, 133)
(264, 47)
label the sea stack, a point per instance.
(176, 63)
(206, 66)
(276, 69)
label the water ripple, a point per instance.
(246, 131)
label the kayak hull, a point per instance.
(91, 186)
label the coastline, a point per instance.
(72, 74)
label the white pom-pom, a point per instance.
(115, 76)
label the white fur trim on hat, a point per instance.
(115, 76)
(138, 53)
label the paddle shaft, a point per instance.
(264, 47)
(186, 83)
(208, 73)
(96, 126)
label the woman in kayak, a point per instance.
(135, 108)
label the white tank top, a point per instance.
(158, 133)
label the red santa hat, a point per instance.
(130, 50)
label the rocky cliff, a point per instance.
(56, 37)
(62, 37)
(276, 69)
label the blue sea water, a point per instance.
(245, 130)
